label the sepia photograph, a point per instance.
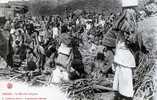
(78, 49)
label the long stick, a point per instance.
(103, 88)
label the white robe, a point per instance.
(123, 56)
(123, 81)
(124, 62)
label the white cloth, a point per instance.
(64, 49)
(124, 62)
(63, 55)
(55, 32)
(123, 81)
(83, 21)
(123, 56)
(88, 26)
(102, 23)
(62, 60)
(77, 22)
(60, 74)
(12, 31)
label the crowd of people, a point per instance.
(36, 41)
(73, 46)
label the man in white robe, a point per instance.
(124, 62)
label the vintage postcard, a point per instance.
(78, 49)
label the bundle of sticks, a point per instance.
(143, 80)
(85, 89)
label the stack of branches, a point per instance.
(143, 69)
(144, 82)
(144, 79)
(85, 89)
(6, 74)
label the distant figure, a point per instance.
(55, 31)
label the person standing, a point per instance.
(124, 60)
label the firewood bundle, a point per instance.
(85, 89)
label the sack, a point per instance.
(129, 3)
